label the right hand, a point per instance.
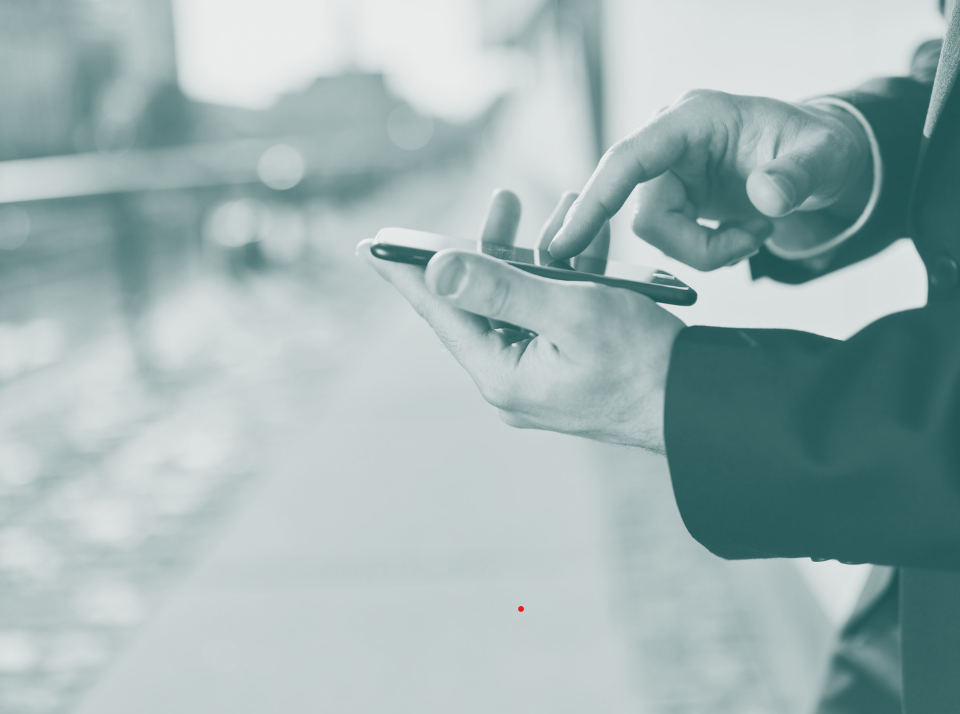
(761, 167)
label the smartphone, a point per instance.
(402, 245)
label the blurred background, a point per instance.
(238, 474)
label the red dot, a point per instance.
(520, 609)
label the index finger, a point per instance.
(640, 157)
(555, 221)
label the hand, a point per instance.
(597, 366)
(762, 167)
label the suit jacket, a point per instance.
(787, 444)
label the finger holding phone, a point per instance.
(597, 366)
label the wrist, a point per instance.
(655, 439)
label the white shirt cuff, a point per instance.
(786, 254)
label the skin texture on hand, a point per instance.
(761, 167)
(597, 366)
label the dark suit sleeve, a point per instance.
(896, 108)
(787, 444)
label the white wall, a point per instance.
(655, 50)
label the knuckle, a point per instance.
(618, 152)
(449, 339)
(689, 95)
(806, 160)
(495, 297)
(617, 148)
(829, 145)
(623, 159)
(498, 394)
(704, 106)
(700, 94)
(658, 111)
(492, 394)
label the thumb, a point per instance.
(781, 186)
(491, 288)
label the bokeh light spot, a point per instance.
(281, 167)
(235, 223)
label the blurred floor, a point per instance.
(380, 565)
(379, 562)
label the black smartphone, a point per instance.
(402, 245)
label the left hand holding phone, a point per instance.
(597, 366)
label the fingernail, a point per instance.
(452, 275)
(784, 188)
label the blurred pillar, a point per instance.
(133, 276)
(587, 16)
(519, 23)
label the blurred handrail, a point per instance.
(184, 167)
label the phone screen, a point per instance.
(417, 247)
